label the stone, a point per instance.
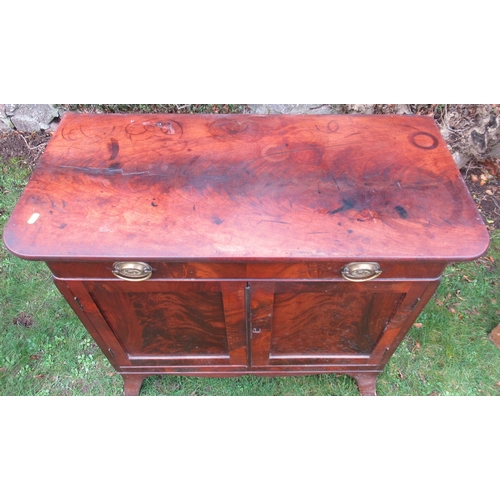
(10, 109)
(495, 151)
(361, 109)
(381, 109)
(33, 117)
(5, 124)
(479, 140)
(402, 109)
(291, 109)
(460, 159)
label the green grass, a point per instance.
(44, 349)
(451, 354)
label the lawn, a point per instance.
(44, 350)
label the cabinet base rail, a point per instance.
(367, 381)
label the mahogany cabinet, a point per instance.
(223, 245)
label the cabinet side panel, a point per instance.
(80, 301)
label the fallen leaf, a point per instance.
(466, 278)
(452, 310)
(492, 168)
(489, 191)
(38, 376)
(474, 178)
(483, 177)
(495, 336)
(439, 303)
(418, 325)
(498, 383)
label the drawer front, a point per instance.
(254, 271)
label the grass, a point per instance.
(44, 349)
(450, 353)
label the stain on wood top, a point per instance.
(246, 187)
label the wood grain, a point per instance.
(240, 187)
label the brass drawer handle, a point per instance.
(132, 271)
(361, 271)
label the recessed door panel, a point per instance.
(326, 322)
(173, 321)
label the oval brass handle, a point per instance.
(132, 271)
(361, 271)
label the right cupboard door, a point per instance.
(331, 323)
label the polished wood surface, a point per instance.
(249, 270)
(246, 187)
(247, 223)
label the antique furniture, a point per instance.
(223, 245)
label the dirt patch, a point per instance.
(487, 198)
(24, 319)
(28, 147)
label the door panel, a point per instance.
(257, 325)
(174, 322)
(319, 323)
(327, 322)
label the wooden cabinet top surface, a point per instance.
(246, 187)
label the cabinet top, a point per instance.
(246, 187)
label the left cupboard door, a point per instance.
(163, 323)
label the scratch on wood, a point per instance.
(104, 171)
(55, 206)
(447, 221)
(276, 221)
(336, 183)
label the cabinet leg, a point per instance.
(367, 383)
(132, 384)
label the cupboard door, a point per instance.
(293, 323)
(170, 323)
